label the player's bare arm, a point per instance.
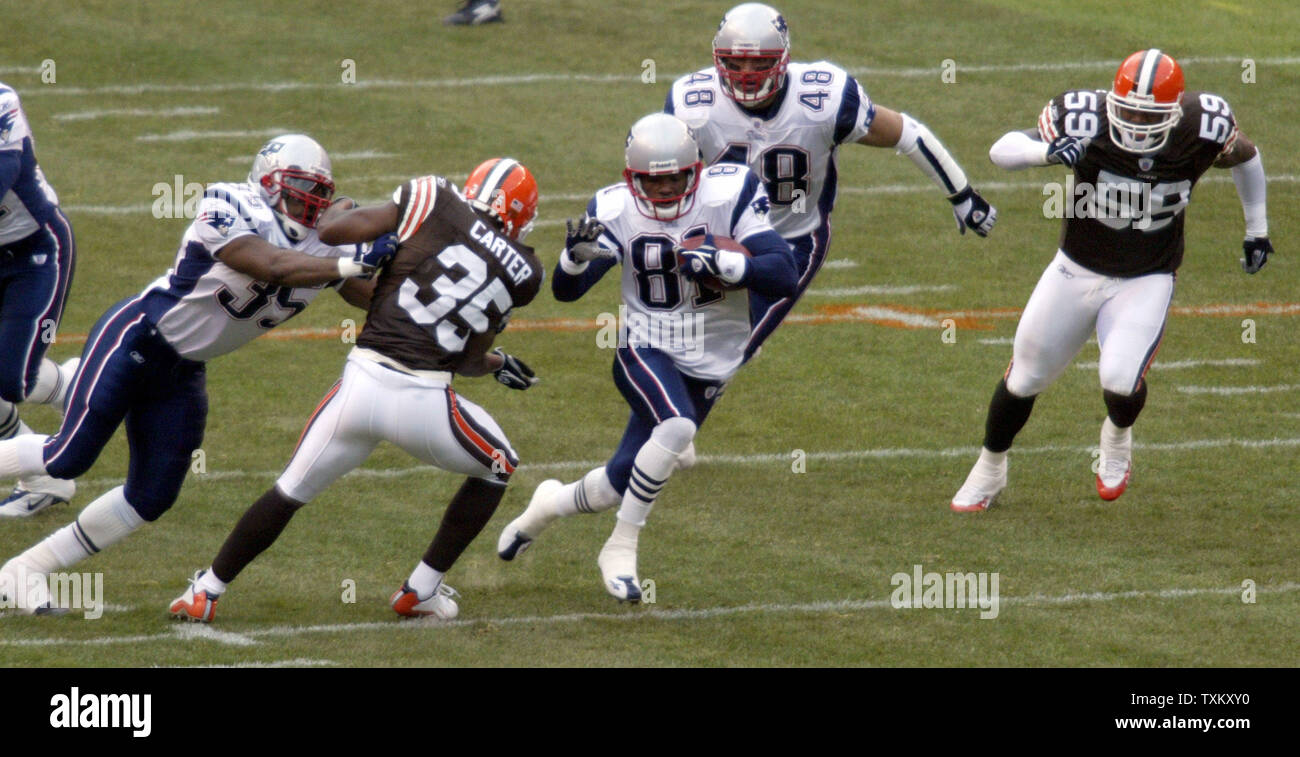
(357, 292)
(912, 138)
(256, 257)
(352, 225)
(1241, 151)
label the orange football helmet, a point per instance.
(506, 190)
(1143, 103)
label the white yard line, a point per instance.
(882, 289)
(761, 459)
(884, 189)
(181, 112)
(643, 615)
(191, 136)
(1232, 362)
(1235, 390)
(568, 78)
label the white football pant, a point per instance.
(1068, 303)
(419, 413)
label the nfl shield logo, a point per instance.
(1145, 164)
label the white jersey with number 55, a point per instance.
(704, 331)
(790, 144)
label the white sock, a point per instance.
(23, 455)
(51, 385)
(103, 523)
(991, 461)
(211, 584)
(654, 464)
(10, 424)
(1113, 436)
(424, 580)
(627, 532)
(593, 493)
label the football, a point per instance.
(722, 243)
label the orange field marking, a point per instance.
(890, 316)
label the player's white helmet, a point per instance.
(662, 152)
(293, 174)
(751, 34)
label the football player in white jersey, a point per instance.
(785, 121)
(249, 261)
(37, 257)
(1136, 153)
(684, 340)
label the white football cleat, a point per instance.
(407, 603)
(26, 589)
(1115, 465)
(686, 460)
(982, 487)
(34, 494)
(519, 534)
(617, 563)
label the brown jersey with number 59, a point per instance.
(1123, 211)
(455, 276)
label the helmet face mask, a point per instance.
(1143, 105)
(663, 167)
(294, 176)
(507, 192)
(751, 53)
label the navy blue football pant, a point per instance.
(656, 391)
(35, 275)
(128, 372)
(766, 313)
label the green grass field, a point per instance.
(754, 564)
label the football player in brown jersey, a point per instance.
(460, 268)
(1136, 152)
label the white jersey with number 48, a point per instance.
(790, 145)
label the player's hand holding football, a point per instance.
(580, 240)
(513, 372)
(1067, 151)
(1255, 253)
(707, 260)
(973, 212)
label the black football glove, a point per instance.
(514, 372)
(1067, 150)
(973, 212)
(1255, 253)
(580, 240)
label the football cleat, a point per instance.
(34, 494)
(521, 531)
(981, 489)
(1115, 465)
(195, 605)
(617, 563)
(475, 12)
(26, 589)
(408, 604)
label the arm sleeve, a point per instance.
(1252, 188)
(924, 149)
(1016, 150)
(772, 271)
(568, 287)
